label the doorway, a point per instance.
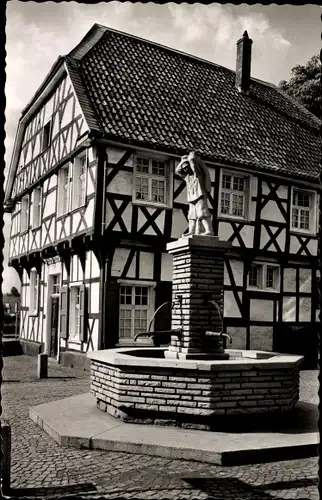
(54, 326)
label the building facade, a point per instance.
(94, 198)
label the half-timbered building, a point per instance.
(94, 198)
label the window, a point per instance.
(55, 284)
(24, 224)
(134, 310)
(63, 190)
(75, 312)
(79, 180)
(151, 180)
(233, 195)
(303, 210)
(46, 136)
(34, 292)
(36, 207)
(264, 276)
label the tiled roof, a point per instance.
(151, 95)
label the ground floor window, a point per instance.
(75, 312)
(135, 310)
(264, 276)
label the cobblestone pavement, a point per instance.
(41, 467)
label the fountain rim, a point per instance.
(120, 357)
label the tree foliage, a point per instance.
(305, 85)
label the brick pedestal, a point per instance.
(198, 277)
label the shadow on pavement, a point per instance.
(53, 491)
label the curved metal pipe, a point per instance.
(160, 307)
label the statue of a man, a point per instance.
(195, 173)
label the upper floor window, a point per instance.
(46, 136)
(63, 190)
(34, 292)
(264, 276)
(303, 210)
(79, 180)
(135, 304)
(36, 207)
(233, 195)
(24, 216)
(152, 181)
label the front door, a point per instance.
(54, 326)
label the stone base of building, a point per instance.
(74, 359)
(31, 348)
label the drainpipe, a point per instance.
(103, 257)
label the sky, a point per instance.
(37, 33)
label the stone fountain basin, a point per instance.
(140, 385)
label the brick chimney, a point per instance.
(243, 63)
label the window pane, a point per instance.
(238, 205)
(142, 165)
(295, 217)
(226, 181)
(238, 184)
(270, 272)
(140, 321)
(254, 275)
(225, 203)
(158, 190)
(142, 188)
(141, 296)
(158, 167)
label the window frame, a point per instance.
(34, 294)
(149, 308)
(313, 229)
(62, 188)
(24, 221)
(47, 129)
(168, 178)
(39, 205)
(72, 316)
(247, 193)
(75, 180)
(262, 286)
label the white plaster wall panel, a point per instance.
(95, 266)
(146, 265)
(238, 336)
(281, 239)
(313, 247)
(231, 309)
(68, 113)
(179, 223)
(294, 244)
(52, 182)
(289, 280)
(225, 230)
(25, 277)
(122, 183)
(95, 297)
(50, 205)
(64, 271)
(272, 212)
(289, 309)
(237, 267)
(114, 156)
(119, 260)
(261, 338)
(88, 264)
(305, 280)
(77, 273)
(305, 309)
(92, 154)
(247, 234)
(49, 109)
(63, 342)
(90, 186)
(182, 197)
(27, 296)
(166, 267)
(261, 310)
(89, 214)
(75, 222)
(265, 188)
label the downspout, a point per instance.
(103, 257)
